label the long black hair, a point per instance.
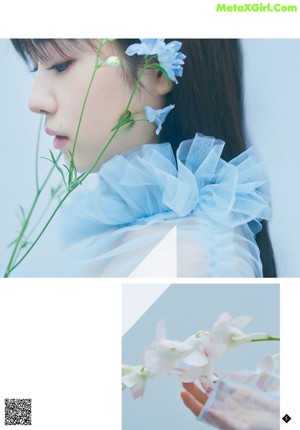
(208, 99)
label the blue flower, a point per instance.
(146, 47)
(158, 116)
(168, 56)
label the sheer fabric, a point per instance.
(142, 194)
(237, 407)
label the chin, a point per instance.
(84, 168)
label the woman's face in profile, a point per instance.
(59, 90)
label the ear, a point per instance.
(162, 86)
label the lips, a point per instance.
(59, 142)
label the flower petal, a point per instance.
(268, 383)
(168, 56)
(160, 330)
(266, 364)
(244, 376)
(195, 358)
(139, 389)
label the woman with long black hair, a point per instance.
(192, 174)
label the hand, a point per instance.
(233, 407)
(193, 398)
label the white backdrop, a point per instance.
(272, 94)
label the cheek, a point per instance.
(108, 97)
(106, 101)
(72, 104)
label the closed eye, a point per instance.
(61, 67)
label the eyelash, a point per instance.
(61, 67)
(58, 68)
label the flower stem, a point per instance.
(37, 154)
(41, 216)
(266, 339)
(72, 164)
(136, 85)
(73, 180)
(254, 337)
(9, 267)
(116, 128)
(99, 156)
(42, 231)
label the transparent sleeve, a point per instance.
(233, 407)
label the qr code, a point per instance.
(18, 412)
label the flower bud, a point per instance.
(112, 61)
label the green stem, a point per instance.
(72, 164)
(11, 265)
(72, 185)
(42, 231)
(21, 234)
(136, 85)
(117, 128)
(41, 216)
(253, 337)
(37, 154)
(85, 175)
(269, 338)
(9, 269)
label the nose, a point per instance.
(42, 98)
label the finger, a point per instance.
(191, 403)
(195, 392)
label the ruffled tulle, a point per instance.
(147, 185)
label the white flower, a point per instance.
(163, 355)
(202, 366)
(225, 334)
(196, 356)
(135, 378)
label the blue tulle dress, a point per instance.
(141, 195)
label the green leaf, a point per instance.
(53, 160)
(128, 128)
(24, 244)
(12, 243)
(22, 216)
(54, 191)
(125, 121)
(125, 115)
(74, 184)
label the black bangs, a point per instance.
(42, 49)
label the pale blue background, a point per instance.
(18, 133)
(187, 309)
(272, 94)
